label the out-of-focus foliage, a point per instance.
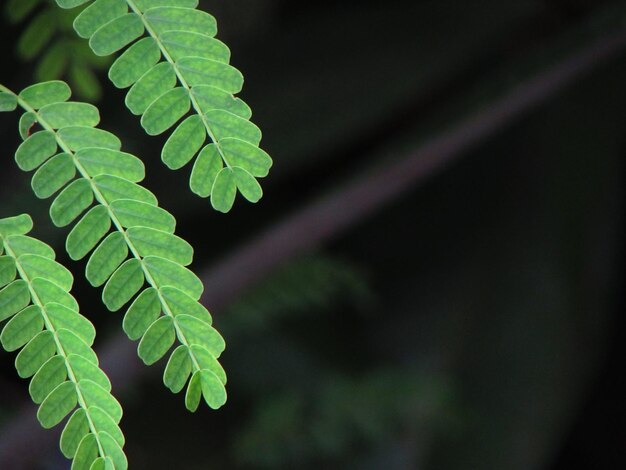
(309, 285)
(338, 415)
(48, 41)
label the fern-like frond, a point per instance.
(180, 67)
(131, 239)
(55, 342)
(49, 38)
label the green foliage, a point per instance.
(48, 37)
(304, 286)
(340, 414)
(180, 79)
(134, 251)
(55, 342)
(180, 67)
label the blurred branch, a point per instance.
(23, 442)
(348, 205)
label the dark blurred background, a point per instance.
(434, 278)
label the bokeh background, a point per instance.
(435, 276)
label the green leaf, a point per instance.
(182, 304)
(248, 186)
(213, 389)
(157, 340)
(74, 432)
(151, 242)
(113, 450)
(247, 156)
(205, 170)
(71, 202)
(142, 313)
(47, 378)
(116, 34)
(164, 19)
(209, 98)
(123, 285)
(70, 3)
(99, 464)
(62, 317)
(86, 370)
(35, 354)
(147, 4)
(27, 121)
(43, 94)
(181, 44)
(224, 191)
(88, 232)
(100, 161)
(134, 62)
(95, 395)
(178, 369)
(97, 15)
(166, 111)
(158, 80)
(39, 266)
(13, 298)
(53, 175)
(8, 102)
(35, 150)
(8, 270)
(184, 143)
(22, 328)
(85, 80)
(226, 125)
(81, 137)
(168, 273)
(114, 188)
(87, 451)
(22, 245)
(194, 392)
(104, 422)
(57, 405)
(17, 10)
(36, 35)
(201, 333)
(139, 214)
(206, 360)
(49, 292)
(69, 114)
(106, 258)
(200, 71)
(73, 344)
(18, 225)
(54, 62)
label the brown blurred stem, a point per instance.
(23, 442)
